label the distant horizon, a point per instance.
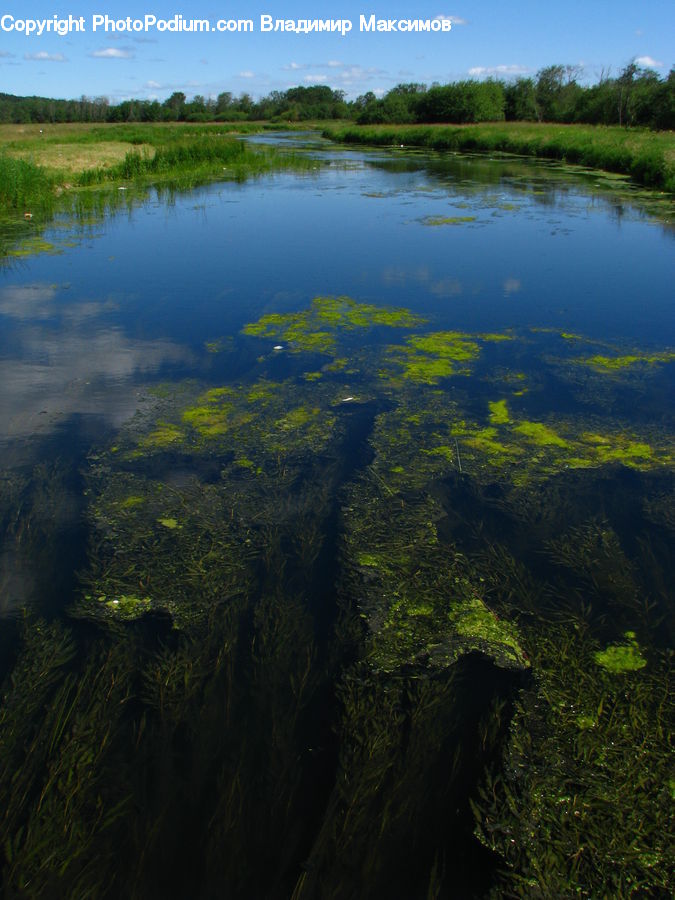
(190, 97)
(467, 39)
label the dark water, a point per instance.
(243, 626)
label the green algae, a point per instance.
(499, 412)
(122, 606)
(316, 329)
(210, 421)
(495, 337)
(628, 361)
(33, 246)
(431, 357)
(452, 345)
(420, 603)
(571, 336)
(264, 490)
(478, 623)
(132, 502)
(164, 436)
(628, 452)
(447, 220)
(577, 801)
(540, 434)
(485, 440)
(618, 659)
(415, 536)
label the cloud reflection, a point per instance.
(439, 287)
(67, 360)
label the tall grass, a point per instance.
(23, 184)
(192, 159)
(184, 153)
(647, 157)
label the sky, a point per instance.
(487, 38)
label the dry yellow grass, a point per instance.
(66, 148)
(75, 157)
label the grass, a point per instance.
(38, 165)
(58, 166)
(647, 157)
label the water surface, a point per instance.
(378, 518)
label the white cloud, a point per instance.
(454, 19)
(648, 63)
(334, 64)
(315, 79)
(479, 71)
(5, 54)
(247, 74)
(112, 53)
(153, 85)
(43, 56)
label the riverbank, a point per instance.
(84, 169)
(647, 157)
(38, 165)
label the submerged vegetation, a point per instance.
(347, 628)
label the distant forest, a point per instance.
(636, 97)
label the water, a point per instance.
(330, 580)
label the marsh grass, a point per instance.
(63, 168)
(194, 160)
(23, 185)
(648, 158)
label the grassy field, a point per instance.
(648, 157)
(38, 165)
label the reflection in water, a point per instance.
(65, 363)
(363, 598)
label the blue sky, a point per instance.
(488, 37)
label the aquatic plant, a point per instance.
(447, 220)
(325, 613)
(619, 363)
(620, 658)
(316, 329)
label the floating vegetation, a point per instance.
(618, 363)
(315, 330)
(31, 246)
(448, 220)
(429, 358)
(361, 627)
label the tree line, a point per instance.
(635, 97)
